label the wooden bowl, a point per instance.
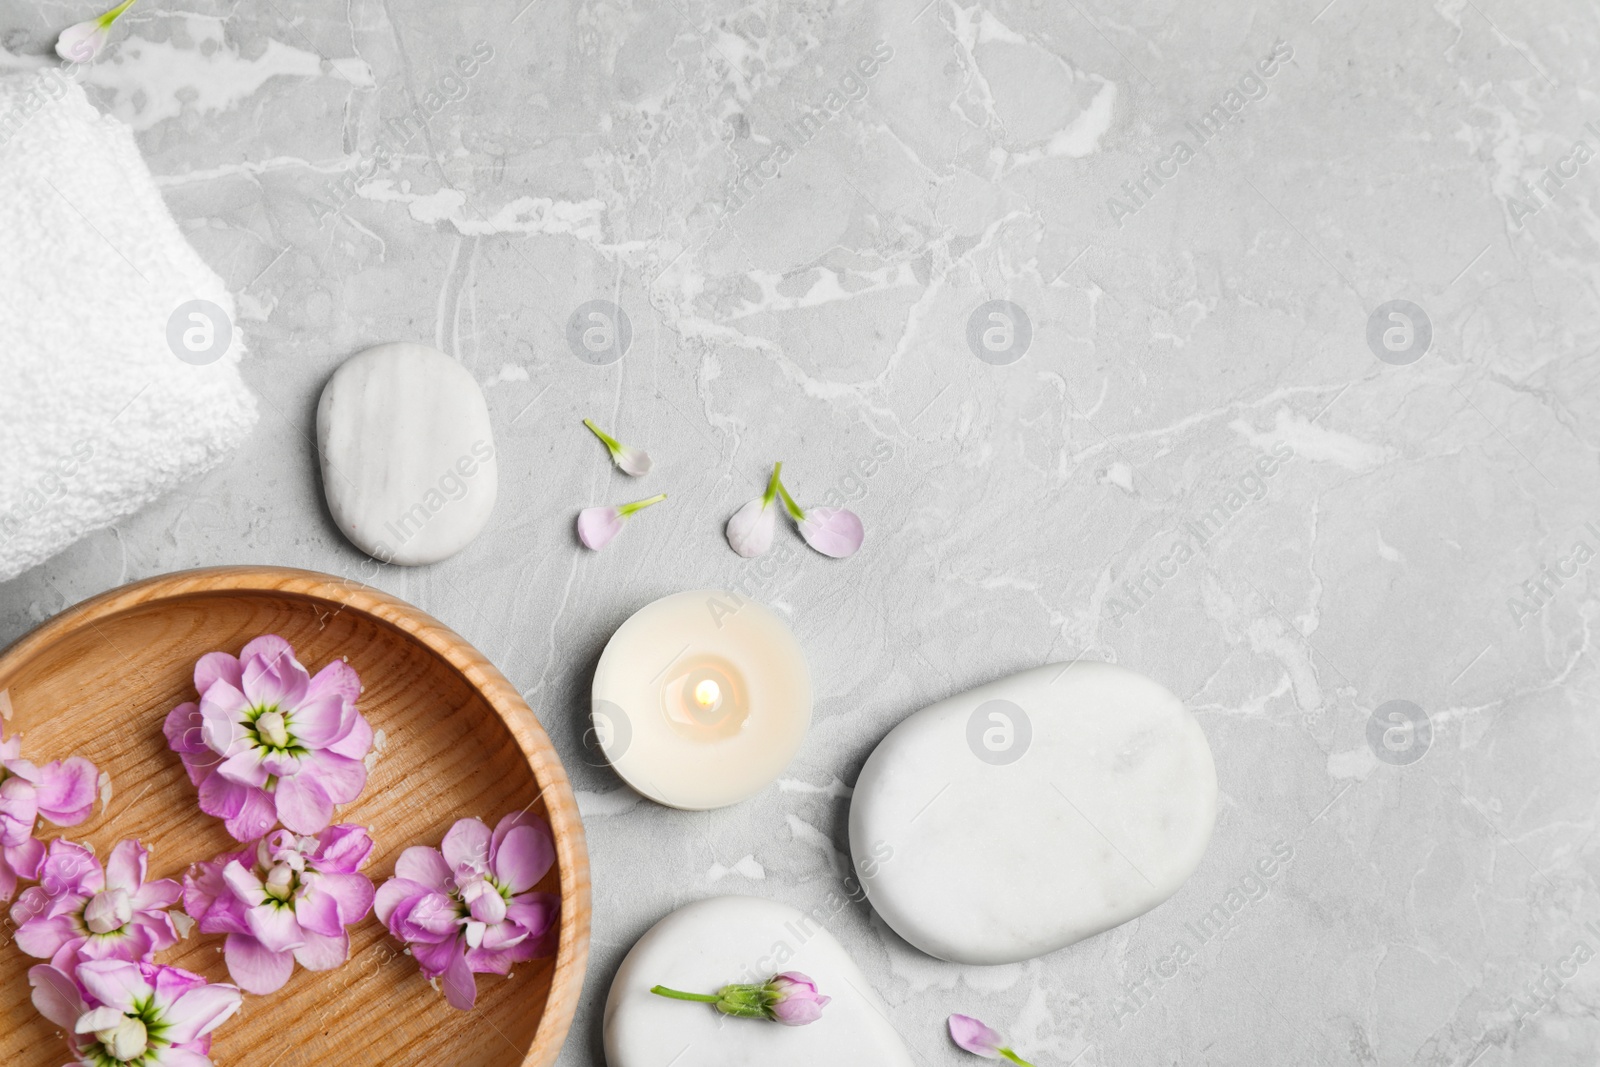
(98, 680)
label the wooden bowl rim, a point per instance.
(566, 825)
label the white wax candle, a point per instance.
(701, 699)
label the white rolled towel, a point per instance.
(119, 349)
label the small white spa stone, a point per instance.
(408, 459)
(1033, 812)
(708, 944)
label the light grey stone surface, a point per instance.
(1423, 912)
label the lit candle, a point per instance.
(701, 699)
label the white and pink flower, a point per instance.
(268, 742)
(467, 907)
(288, 899)
(83, 911)
(133, 1014)
(62, 792)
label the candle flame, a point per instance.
(707, 693)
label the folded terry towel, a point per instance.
(99, 415)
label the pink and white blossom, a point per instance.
(83, 911)
(133, 1014)
(62, 792)
(468, 908)
(269, 743)
(286, 900)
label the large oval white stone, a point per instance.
(1033, 812)
(408, 460)
(706, 945)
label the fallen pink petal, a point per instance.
(981, 1040)
(597, 526)
(82, 42)
(835, 532)
(629, 460)
(751, 528)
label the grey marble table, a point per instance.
(807, 213)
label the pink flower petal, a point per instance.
(321, 953)
(42, 936)
(460, 988)
(19, 810)
(341, 777)
(217, 666)
(342, 849)
(173, 1056)
(535, 912)
(243, 883)
(597, 526)
(56, 996)
(357, 743)
(303, 805)
(337, 677)
(974, 1036)
(245, 767)
(750, 530)
(319, 721)
(467, 843)
(274, 680)
(352, 893)
(317, 912)
(425, 866)
(256, 968)
(199, 1011)
(127, 866)
(269, 647)
(835, 532)
(523, 858)
(113, 983)
(67, 791)
(275, 927)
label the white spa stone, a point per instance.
(408, 460)
(706, 945)
(1033, 812)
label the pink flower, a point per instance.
(597, 526)
(62, 792)
(789, 998)
(750, 530)
(466, 908)
(975, 1037)
(795, 999)
(270, 743)
(137, 1014)
(82, 911)
(288, 899)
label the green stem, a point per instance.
(788, 502)
(609, 441)
(111, 16)
(639, 505)
(1013, 1057)
(674, 994)
(772, 486)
